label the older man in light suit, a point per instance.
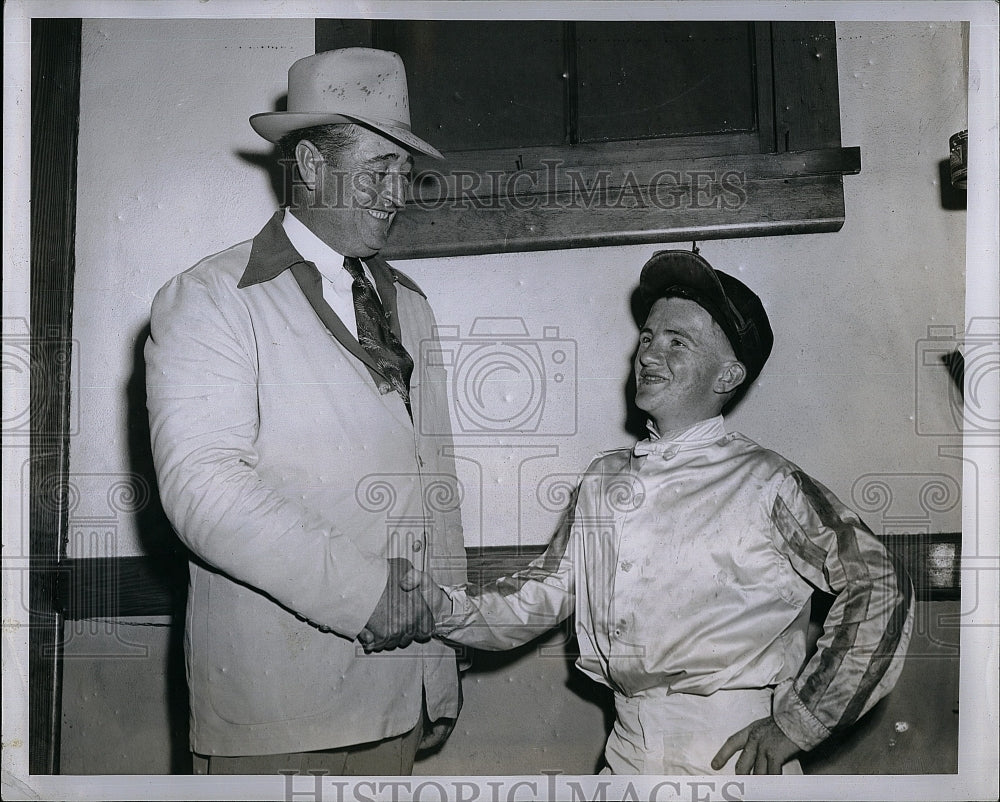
(282, 389)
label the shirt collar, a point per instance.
(271, 254)
(699, 434)
(329, 262)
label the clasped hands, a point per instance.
(404, 612)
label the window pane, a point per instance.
(651, 79)
(479, 85)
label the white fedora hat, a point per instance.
(353, 85)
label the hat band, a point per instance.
(388, 122)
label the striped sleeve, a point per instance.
(513, 610)
(860, 653)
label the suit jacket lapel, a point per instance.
(309, 280)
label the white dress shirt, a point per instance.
(337, 282)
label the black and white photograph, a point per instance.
(501, 401)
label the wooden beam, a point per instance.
(698, 206)
(112, 587)
(557, 180)
(526, 198)
(806, 91)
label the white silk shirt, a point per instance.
(690, 562)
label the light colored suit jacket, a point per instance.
(291, 478)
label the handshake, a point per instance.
(407, 611)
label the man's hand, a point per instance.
(765, 749)
(438, 601)
(401, 615)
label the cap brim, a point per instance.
(687, 275)
(679, 270)
(273, 125)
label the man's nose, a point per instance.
(394, 191)
(649, 355)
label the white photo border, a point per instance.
(978, 740)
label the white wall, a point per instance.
(162, 183)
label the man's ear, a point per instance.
(731, 376)
(308, 160)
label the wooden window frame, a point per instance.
(784, 178)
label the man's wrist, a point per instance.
(795, 720)
(449, 608)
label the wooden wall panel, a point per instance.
(55, 117)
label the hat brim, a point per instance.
(273, 125)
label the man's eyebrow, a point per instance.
(681, 332)
(390, 157)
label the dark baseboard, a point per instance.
(113, 587)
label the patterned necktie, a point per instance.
(376, 336)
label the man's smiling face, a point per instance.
(682, 364)
(360, 194)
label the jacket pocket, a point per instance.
(265, 664)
